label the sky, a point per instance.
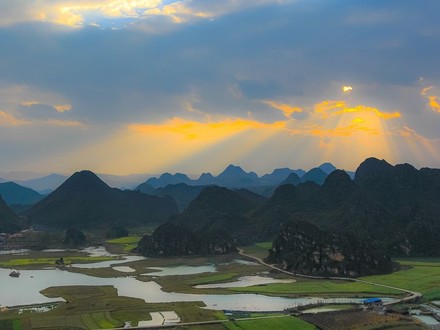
(152, 86)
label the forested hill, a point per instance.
(85, 201)
(393, 209)
(396, 207)
(9, 221)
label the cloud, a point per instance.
(340, 131)
(6, 119)
(434, 103)
(324, 108)
(425, 90)
(336, 108)
(97, 12)
(192, 130)
(286, 109)
(64, 123)
(30, 106)
(433, 100)
(63, 107)
(211, 65)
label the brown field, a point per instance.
(360, 319)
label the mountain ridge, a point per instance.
(85, 201)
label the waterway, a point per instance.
(25, 290)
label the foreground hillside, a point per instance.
(85, 201)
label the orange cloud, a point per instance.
(334, 108)
(198, 130)
(363, 108)
(326, 106)
(434, 103)
(287, 110)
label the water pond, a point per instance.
(244, 281)
(25, 290)
(181, 270)
(109, 263)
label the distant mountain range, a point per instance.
(24, 193)
(235, 177)
(232, 177)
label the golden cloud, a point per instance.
(434, 103)
(363, 108)
(287, 110)
(198, 130)
(326, 106)
(335, 108)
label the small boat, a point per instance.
(14, 273)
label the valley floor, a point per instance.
(101, 307)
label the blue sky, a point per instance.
(152, 86)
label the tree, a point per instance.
(117, 231)
(74, 237)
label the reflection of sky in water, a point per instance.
(109, 263)
(181, 270)
(124, 269)
(98, 251)
(190, 270)
(243, 282)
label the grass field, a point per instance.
(41, 262)
(216, 278)
(127, 243)
(319, 287)
(258, 250)
(279, 323)
(421, 276)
